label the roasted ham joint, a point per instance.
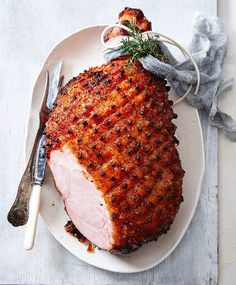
(111, 148)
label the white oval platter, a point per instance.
(80, 51)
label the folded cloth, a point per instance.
(208, 48)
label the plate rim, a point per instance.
(199, 186)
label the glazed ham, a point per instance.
(112, 152)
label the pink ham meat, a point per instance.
(69, 174)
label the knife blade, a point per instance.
(40, 163)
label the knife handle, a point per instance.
(33, 217)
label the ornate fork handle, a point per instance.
(19, 212)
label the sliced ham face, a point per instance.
(81, 197)
(111, 148)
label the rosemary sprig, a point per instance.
(138, 47)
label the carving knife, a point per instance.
(39, 165)
(32, 179)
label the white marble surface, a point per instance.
(28, 30)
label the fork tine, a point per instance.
(44, 107)
(54, 82)
(60, 83)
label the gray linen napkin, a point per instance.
(208, 47)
